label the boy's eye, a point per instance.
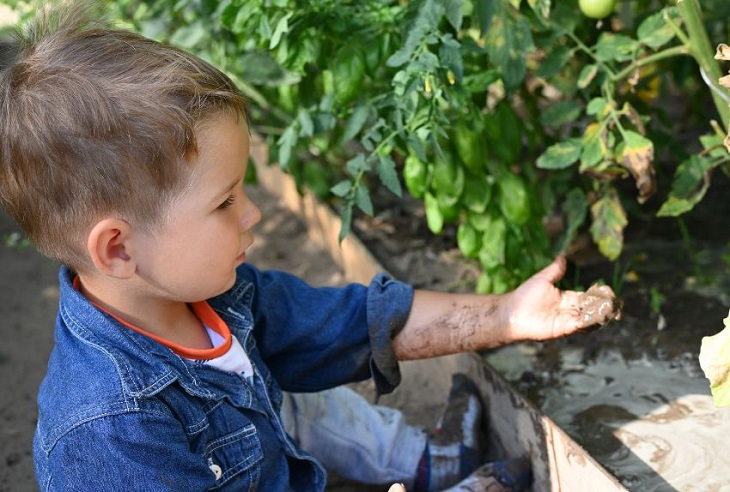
(227, 203)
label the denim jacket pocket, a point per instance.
(236, 457)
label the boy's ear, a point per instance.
(107, 247)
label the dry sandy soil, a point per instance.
(30, 296)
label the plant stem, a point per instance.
(660, 55)
(687, 240)
(702, 51)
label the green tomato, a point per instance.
(514, 198)
(415, 174)
(596, 9)
(434, 217)
(348, 72)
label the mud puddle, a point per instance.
(632, 393)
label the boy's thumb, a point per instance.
(397, 487)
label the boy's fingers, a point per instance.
(554, 271)
(397, 487)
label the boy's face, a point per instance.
(195, 254)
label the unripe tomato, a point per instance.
(415, 174)
(596, 9)
(348, 71)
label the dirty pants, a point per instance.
(353, 438)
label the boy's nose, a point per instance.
(251, 215)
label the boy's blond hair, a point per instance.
(96, 122)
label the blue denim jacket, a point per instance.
(118, 411)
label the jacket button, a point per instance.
(217, 470)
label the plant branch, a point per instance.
(655, 57)
(702, 51)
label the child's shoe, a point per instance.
(498, 476)
(457, 446)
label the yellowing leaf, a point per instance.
(609, 221)
(715, 363)
(723, 52)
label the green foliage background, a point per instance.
(498, 114)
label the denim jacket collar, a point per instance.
(144, 366)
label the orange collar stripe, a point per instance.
(204, 313)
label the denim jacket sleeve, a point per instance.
(317, 338)
(147, 452)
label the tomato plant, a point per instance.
(498, 114)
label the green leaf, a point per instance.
(541, 7)
(346, 217)
(554, 62)
(287, 142)
(454, 11)
(416, 145)
(400, 57)
(715, 363)
(388, 175)
(355, 122)
(688, 188)
(561, 154)
(342, 188)
(564, 18)
(450, 56)
(306, 126)
(598, 106)
(484, 11)
(609, 221)
(575, 208)
(508, 42)
(636, 141)
(260, 68)
(594, 147)
(560, 113)
(714, 145)
(357, 164)
(655, 31)
(363, 201)
(190, 36)
(282, 27)
(616, 47)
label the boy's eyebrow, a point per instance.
(228, 190)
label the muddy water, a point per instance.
(651, 423)
(632, 393)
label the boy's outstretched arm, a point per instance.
(443, 323)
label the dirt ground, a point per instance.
(30, 296)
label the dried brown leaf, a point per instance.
(725, 81)
(635, 118)
(639, 163)
(723, 52)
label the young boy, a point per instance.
(123, 159)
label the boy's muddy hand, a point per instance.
(541, 311)
(397, 487)
(599, 305)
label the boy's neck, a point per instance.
(171, 320)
